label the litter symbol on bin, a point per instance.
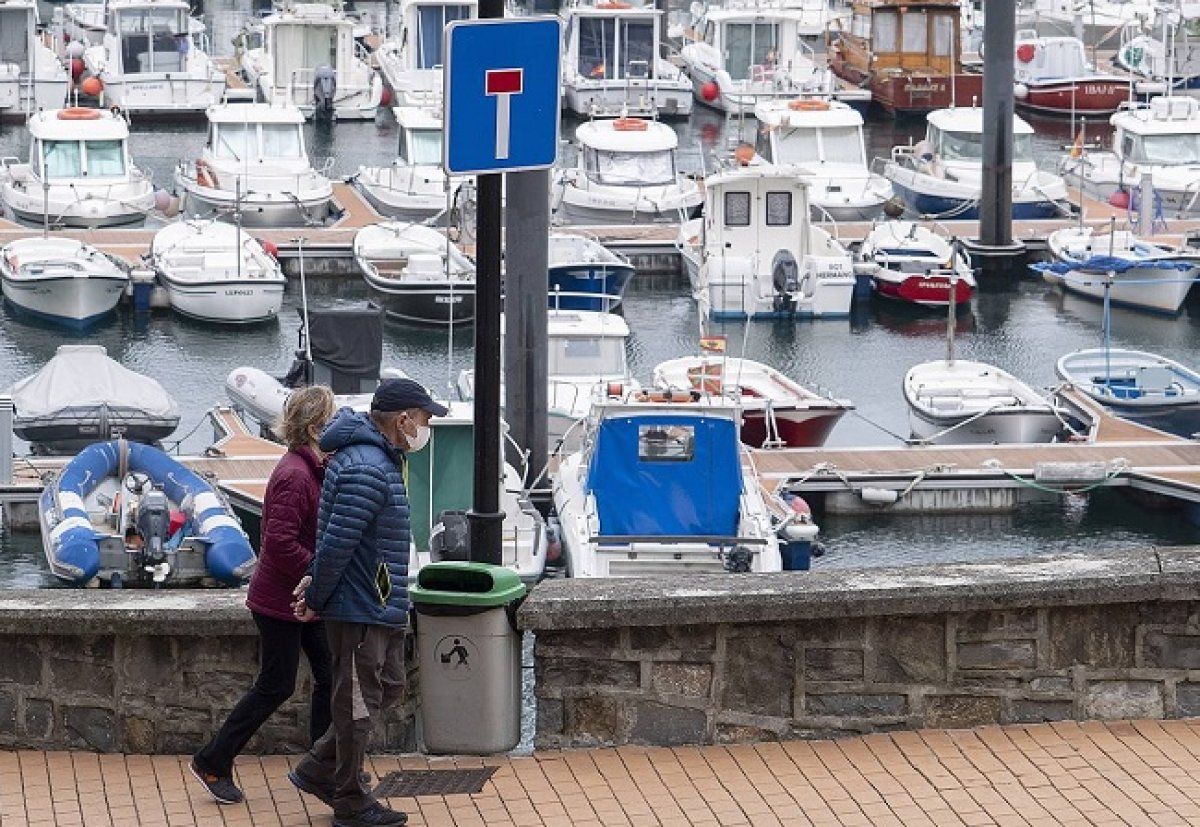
(457, 655)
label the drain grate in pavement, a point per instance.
(409, 783)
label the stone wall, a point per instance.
(141, 672)
(820, 654)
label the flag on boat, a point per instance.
(712, 344)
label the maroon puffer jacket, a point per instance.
(289, 532)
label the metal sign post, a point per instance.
(501, 107)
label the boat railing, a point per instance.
(609, 300)
(698, 539)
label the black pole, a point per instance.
(486, 519)
(995, 206)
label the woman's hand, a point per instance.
(300, 606)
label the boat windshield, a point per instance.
(610, 47)
(751, 50)
(1166, 149)
(424, 146)
(152, 40)
(431, 22)
(105, 158)
(282, 140)
(631, 168)
(62, 159)
(15, 36)
(968, 146)
(843, 145)
(237, 141)
(586, 356)
(838, 145)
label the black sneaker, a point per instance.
(377, 815)
(324, 794)
(221, 788)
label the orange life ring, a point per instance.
(668, 395)
(614, 4)
(808, 105)
(629, 125)
(79, 113)
(205, 176)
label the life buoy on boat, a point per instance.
(668, 395)
(614, 4)
(808, 105)
(629, 125)
(78, 113)
(205, 176)
(1026, 52)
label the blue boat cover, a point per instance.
(1112, 264)
(694, 496)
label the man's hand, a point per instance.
(300, 606)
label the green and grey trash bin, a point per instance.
(469, 657)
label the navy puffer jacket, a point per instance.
(360, 569)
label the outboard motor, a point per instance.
(154, 527)
(451, 537)
(324, 90)
(785, 277)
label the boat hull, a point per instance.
(77, 303)
(920, 289)
(796, 428)
(926, 203)
(226, 302)
(72, 429)
(166, 94)
(574, 212)
(1166, 296)
(402, 206)
(589, 286)
(912, 94)
(1080, 97)
(428, 304)
(1000, 427)
(257, 212)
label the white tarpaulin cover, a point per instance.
(83, 376)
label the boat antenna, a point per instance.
(951, 308)
(304, 301)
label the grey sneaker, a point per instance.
(325, 794)
(221, 788)
(377, 815)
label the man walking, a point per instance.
(357, 584)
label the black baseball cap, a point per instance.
(403, 394)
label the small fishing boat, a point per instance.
(1132, 271)
(31, 76)
(81, 396)
(217, 272)
(1054, 76)
(61, 280)
(1166, 63)
(411, 60)
(660, 489)
(912, 264)
(1160, 140)
(942, 176)
(254, 164)
(586, 275)
(416, 273)
(413, 187)
(626, 174)
(611, 63)
(1144, 387)
(79, 174)
(825, 139)
(777, 411)
(757, 254)
(124, 514)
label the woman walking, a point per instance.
(289, 536)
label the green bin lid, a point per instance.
(466, 584)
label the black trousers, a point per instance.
(281, 642)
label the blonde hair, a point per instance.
(306, 410)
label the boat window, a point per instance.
(106, 158)
(943, 35)
(431, 23)
(152, 40)
(1167, 149)
(425, 146)
(797, 146)
(751, 50)
(597, 47)
(860, 26)
(15, 28)
(969, 146)
(237, 141)
(886, 25)
(916, 32)
(63, 159)
(300, 47)
(637, 49)
(737, 209)
(842, 145)
(779, 209)
(635, 168)
(577, 356)
(282, 140)
(666, 443)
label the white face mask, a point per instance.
(416, 443)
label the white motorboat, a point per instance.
(611, 63)
(585, 360)
(150, 60)
(660, 489)
(416, 273)
(61, 280)
(955, 401)
(79, 173)
(217, 272)
(413, 187)
(254, 163)
(942, 176)
(1053, 75)
(1164, 63)
(626, 174)
(82, 396)
(756, 253)
(1133, 384)
(826, 139)
(1160, 140)
(1133, 272)
(411, 60)
(777, 411)
(910, 263)
(753, 51)
(310, 59)
(31, 75)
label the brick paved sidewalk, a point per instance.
(1142, 772)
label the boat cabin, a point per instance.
(305, 36)
(78, 144)
(424, 23)
(753, 43)
(420, 136)
(956, 135)
(1050, 58)
(811, 131)
(628, 152)
(18, 22)
(244, 132)
(764, 211)
(906, 36)
(613, 41)
(153, 35)
(588, 344)
(1164, 133)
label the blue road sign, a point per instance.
(501, 101)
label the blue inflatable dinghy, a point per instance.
(128, 514)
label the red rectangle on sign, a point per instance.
(504, 81)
